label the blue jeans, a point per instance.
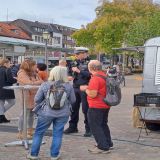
(43, 124)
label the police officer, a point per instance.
(81, 75)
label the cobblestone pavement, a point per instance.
(75, 146)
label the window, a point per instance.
(36, 38)
(57, 40)
(15, 31)
(42, 39)
(39, 38)
(64, 37)
(69, 38)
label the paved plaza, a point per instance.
(75, 146)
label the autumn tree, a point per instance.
(117, 22)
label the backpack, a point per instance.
(56, 96)
(113, 95)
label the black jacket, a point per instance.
(6, 79)
(84, 76)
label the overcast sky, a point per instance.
(72, 13)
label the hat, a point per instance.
(80, 50)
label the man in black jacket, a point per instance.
(81, 76)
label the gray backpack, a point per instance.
(113, 95)
(56, 96)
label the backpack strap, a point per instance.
(103, 77)
(98, 75)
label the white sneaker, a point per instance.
(56, 158)
(32, 157)
(96, 150)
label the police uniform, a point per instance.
(81, 78)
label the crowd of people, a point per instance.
(82, 86)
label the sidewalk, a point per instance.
(75, 146)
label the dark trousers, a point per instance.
(80, 97)
(98, 119)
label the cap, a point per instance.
(80, 50)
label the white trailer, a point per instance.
(149, 98)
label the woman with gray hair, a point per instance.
(48, 116)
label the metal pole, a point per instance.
(3, 53)
(124, 62)
(46, 55)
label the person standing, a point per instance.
(7, 96)
(47, 116)
(98, 110)
(42, 71)
(27, 75)
(81, 76)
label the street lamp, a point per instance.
(46, 36)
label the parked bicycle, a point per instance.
(118, 76)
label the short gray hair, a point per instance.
(58, 73)
(95, 65)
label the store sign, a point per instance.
(19, 49)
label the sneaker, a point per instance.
(71, 130)
(87, 134)
(96, 150)
(3, 119)
(32, 157)
(110, 148)
(56, 158)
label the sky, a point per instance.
(71, 13)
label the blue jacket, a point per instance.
(46, 110)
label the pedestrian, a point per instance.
(7, 96)
(81, 76)
(98, 110)
(27, 75)
(41, 69)
(48, 116)
(62, 63)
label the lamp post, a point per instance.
(46, 36)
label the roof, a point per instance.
(134, 49)
(10, 30)
(21, 42)
(30, 26)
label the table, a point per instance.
(150, 114)
(25, 142)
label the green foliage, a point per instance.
(143, 29)
(122, 21)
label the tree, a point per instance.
(118, 22)
(143, 29)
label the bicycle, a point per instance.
(121, 78)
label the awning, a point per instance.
(23, 42)
(134, 48)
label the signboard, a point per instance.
(19, 49)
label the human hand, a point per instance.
(70, 78)
(75, 69)
(83, 87)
